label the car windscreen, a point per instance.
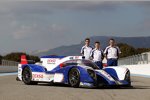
(80, 62)
(71, 64)
(89, 64)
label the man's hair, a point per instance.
(112, 39)
(87, 39)
(97, 42)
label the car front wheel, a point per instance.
(74, 77)
(27, 77)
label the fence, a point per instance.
(8, 66)
(143, 58)
(9, 63)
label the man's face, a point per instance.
(111, 42)
(87, 42)
(97, 45)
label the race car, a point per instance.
(71, 70)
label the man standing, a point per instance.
(86, 49)
(112, 53)
(97, 55)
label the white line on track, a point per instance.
(7, 74)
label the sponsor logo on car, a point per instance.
(51, 61)
(37, 75)
(77, 57)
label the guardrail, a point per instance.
(143, 58)
(8, 69)
(8, 66)
(9, 63)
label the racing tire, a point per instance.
(74, 77)
(27, 77)
(128, 79)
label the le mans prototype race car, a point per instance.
(71, 70)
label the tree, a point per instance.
(34, 58)
(126, 50)
(15, 56)
(1, 57)
(141, 50)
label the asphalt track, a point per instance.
(10, 89)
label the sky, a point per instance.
(26, 26)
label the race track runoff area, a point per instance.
(10, 89)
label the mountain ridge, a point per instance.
(74, 49)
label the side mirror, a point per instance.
(62, 65)
(83, 57)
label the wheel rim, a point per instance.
(74, 77)
(26, 75)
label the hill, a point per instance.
(136, 42)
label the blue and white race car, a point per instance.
(72, 70)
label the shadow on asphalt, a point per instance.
(106, 87)
(141, 87)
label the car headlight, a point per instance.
(127, 76)
(91, 73)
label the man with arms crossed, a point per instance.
(112, 53)
(86, 49)
(97, 55)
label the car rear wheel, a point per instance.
(27, 77)
(128, 79)
(74, 77)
